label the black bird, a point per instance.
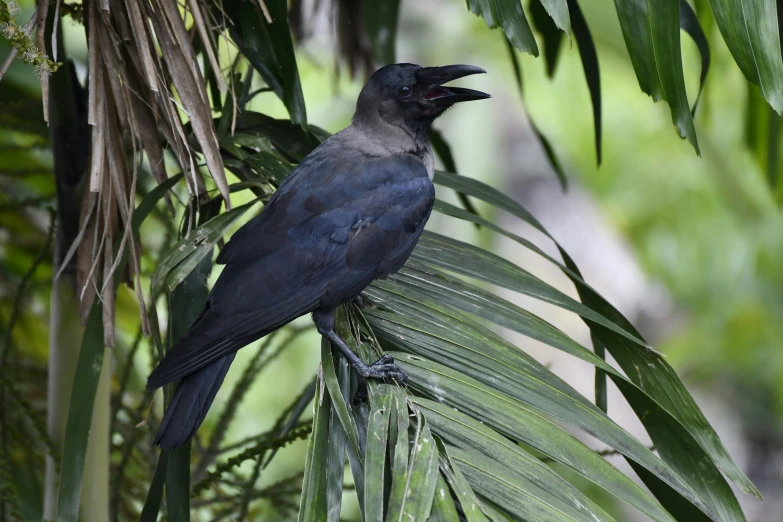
(349, 213)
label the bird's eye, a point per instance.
(405, 91)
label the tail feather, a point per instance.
(190, 403)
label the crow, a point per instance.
(349, 213)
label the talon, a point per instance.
(358, 301)
(401, 377)
(382, 370)
(385, 359)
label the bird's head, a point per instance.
(407, 95)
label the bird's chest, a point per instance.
(427, 158)
(429, 162)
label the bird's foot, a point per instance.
(384, 368)
(358, 301)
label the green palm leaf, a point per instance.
(652, 36)
(509, 16)
(750, 30)
(649, 371)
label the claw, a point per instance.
(384, 368)
(358, 301)
(401, 377)
(385, 359)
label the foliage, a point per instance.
(476, 433)
(22, 42)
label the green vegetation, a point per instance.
(159, 113)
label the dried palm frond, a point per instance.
(145, 84)
(147, 94)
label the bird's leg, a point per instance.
(358, 301)
(361, 391)
(380, 369)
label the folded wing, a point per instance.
(332, 228)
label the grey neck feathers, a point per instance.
(379, 137)
(394, 134)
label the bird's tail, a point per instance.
(190, 403)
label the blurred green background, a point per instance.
(689, 248)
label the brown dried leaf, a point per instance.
(142, 42)
(96, 104)
(130, 105)
(86, 246)
(168, 121)
(118, 168)
(179, 37)
(116, 72)
(124, 201)
(40, 21)
(92, 68)
(148, 130)
(262, 4)
(209, 42)
(54, 29)
(121, 21)
(88, 259)
(182, 66)
(107, 300)
(87, 209)
(178, 141)
(111, 225)
(97, 152)
(144, 100)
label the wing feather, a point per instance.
(321, 239)
(201, 346)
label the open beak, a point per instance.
(439, 95)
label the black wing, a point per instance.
(331, 228)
